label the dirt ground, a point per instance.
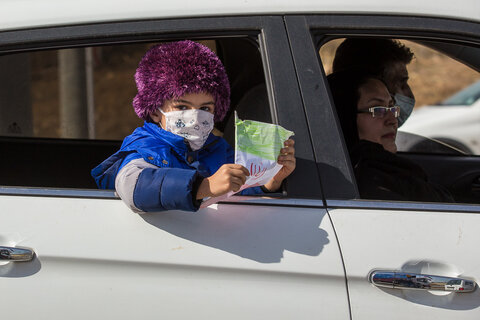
(433, 78)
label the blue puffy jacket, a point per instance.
(180, 170)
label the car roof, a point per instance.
(20, 14)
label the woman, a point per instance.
(368, 117)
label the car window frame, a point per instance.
(306, 34)
(282, 87)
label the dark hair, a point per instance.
(344, 87)
(372, 54)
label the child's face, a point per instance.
(202, 101)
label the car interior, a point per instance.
(36, 160)
(444, 163)
(459, 173)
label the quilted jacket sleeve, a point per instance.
(147, 188)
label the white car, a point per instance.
(455, 121)
(71, 251)
(458, 285)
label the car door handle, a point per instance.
(16, 254)
(407, 280)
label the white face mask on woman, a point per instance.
(194, 125)
(406, 105)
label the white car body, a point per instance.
(96, 259)
(244, 258)
(22, 14)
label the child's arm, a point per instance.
(147, 188)
(126, 181)
(287, 159)
(229, 177)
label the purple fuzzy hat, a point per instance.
(170, 70)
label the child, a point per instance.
(174, 161)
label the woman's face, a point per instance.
(379, 130)
(202, 101)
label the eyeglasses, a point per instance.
(381, 111)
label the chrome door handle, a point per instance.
(407, 280)
(16, 254)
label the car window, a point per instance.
(442, 135)
(63, 111)
(464, 97)
(447, 95)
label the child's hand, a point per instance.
(287, 159)
(230, 177)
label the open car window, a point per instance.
(447, 94)
(63, 111)
(442, 135)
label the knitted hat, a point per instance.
(168, 71)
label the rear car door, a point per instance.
(403, 239)
(274, 257)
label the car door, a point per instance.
(403, 240)
(255, 258)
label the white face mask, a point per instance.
(194, 125)
(406, 105)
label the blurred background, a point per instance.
(434, 77)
